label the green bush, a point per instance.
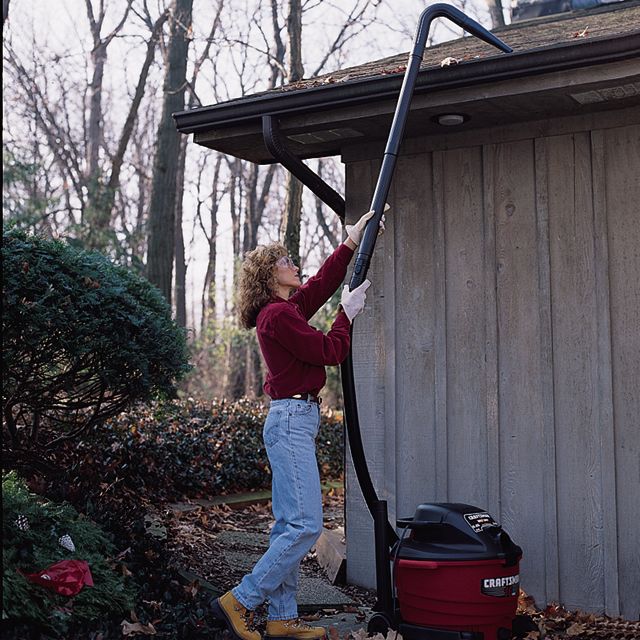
(37, 548)
(83, 338)
(186, 448)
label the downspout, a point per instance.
(275, 143)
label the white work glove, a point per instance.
(354, 231)
(353, 301)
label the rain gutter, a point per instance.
(250, 110)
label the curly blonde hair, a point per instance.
(258, 283)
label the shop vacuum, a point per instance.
(455, 570)
(455, 576)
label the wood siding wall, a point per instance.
(498, 361)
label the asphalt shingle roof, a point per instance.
(551, 31)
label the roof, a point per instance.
(366, 94)
(550, 31)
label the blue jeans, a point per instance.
(289, 436)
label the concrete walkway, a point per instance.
(313, 592)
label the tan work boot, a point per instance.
(294, 629)
(239, 620)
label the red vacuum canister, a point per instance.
(457, 571)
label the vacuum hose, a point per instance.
(367, 245)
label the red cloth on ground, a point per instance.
(66, 577)
(295, 352)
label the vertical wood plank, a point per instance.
(465, 322)
(391, 315)
(575, 338)
(440, 333)
(520, 395)
(622, 166)
(367, 367)
(605, 382)
(551, 565)
(414, 333)
(491, 337)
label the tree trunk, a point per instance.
(94, 236)
(163, 191)
(5, 11)
(235, 205)
(209, 288)
(280, 51)
(334, 241)
(256, 203)
(290, 227)
(294, 31)
(249, 371)
(495, 10)
(98, 219)
(181, 266)
(94, 130)
(127, 129)
(251, 198)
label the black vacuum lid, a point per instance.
(453, 531)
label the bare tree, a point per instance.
(290, 227)
(95, 126)
(161, 240)
(128, 127)
(208, 290)
(180, 263)
(69, 116)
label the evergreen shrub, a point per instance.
(36, 548)
(83, 338)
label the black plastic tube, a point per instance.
(278, 149)
(367, 245)
(383, 567)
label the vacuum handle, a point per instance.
(408, 523)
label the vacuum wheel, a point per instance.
(379, 623)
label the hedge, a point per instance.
(189, 449)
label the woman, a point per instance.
(295, 354)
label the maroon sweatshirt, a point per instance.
(295, 353)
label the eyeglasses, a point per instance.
(286, 261)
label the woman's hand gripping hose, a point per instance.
(353, 301)
(355, 231)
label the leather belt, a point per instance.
(308, 397)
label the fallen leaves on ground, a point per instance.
(557, 623)
(136, 627)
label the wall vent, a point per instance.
(610, 93)
(325, 136)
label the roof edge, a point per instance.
(494, 69)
